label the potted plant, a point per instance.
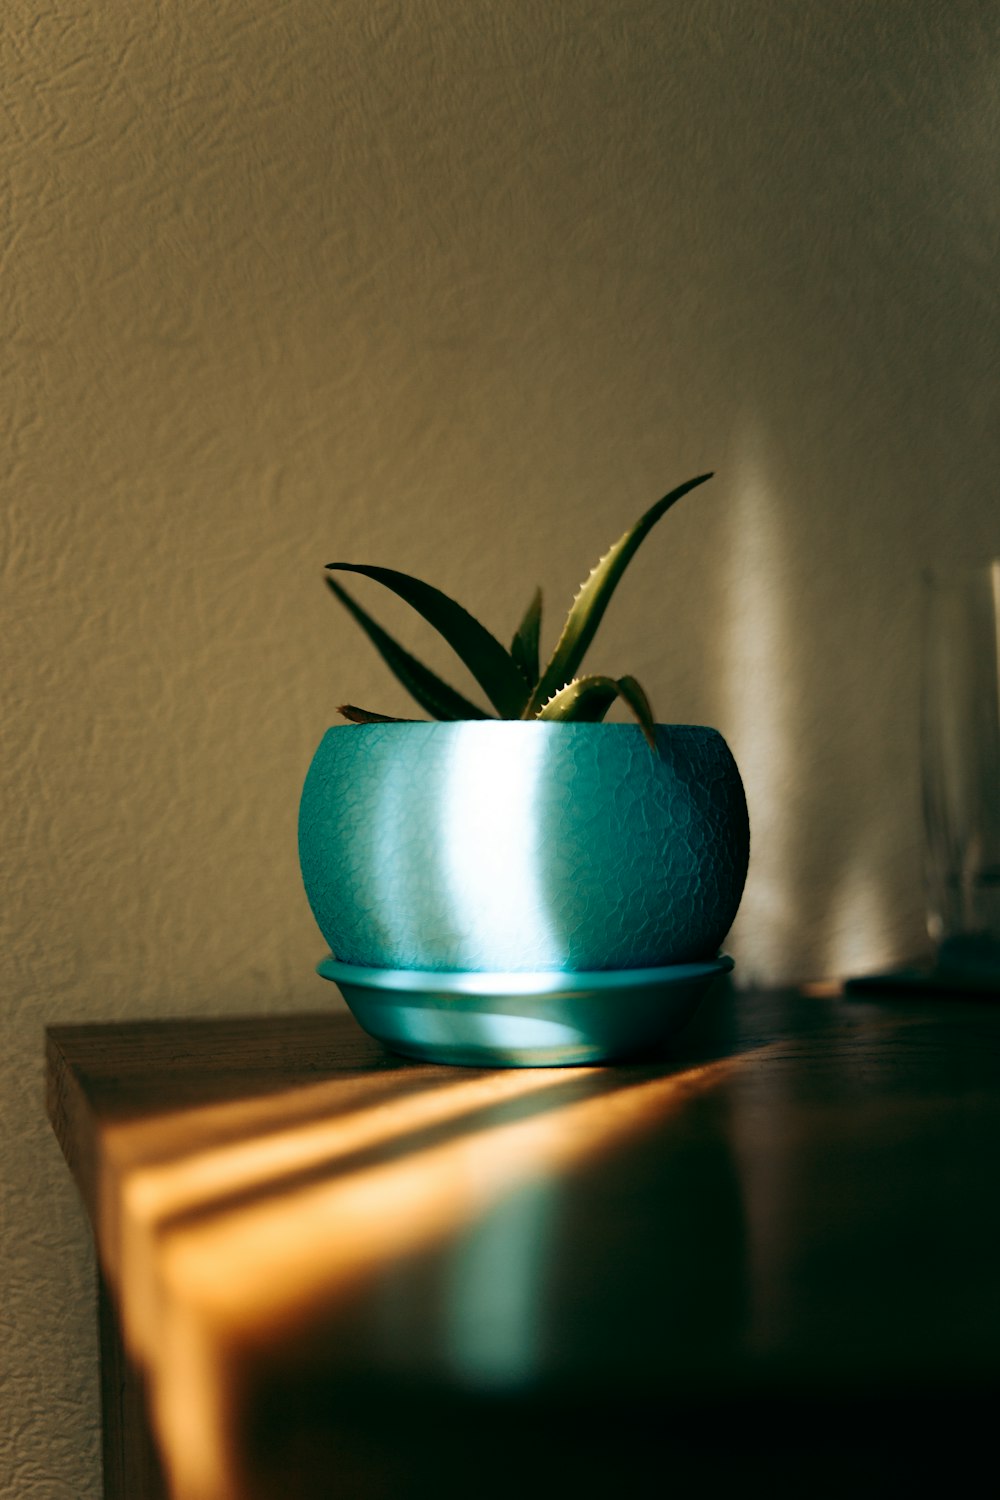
(523, 883)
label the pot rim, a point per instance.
(508, 725)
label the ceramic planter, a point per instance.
(512, 893)
(509, 846)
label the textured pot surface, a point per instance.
(522, 846)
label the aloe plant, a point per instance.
(513, 680)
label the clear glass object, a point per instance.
(960, 723)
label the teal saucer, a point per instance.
(535, 1020)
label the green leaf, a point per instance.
(490, 664)
(357, 715)
(433, 695)
(634, 695)
(586, 700)
(593, 599)
(524, 646)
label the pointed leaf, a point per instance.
(586, 700)
(634, 694)
(594, 596)
(365, 716)
(433, 695)
(524, 646)
(482, 653)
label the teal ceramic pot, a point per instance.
(510, 846)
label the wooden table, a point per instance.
(773, 1257)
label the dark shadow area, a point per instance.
(404, 1442)
(133, 1068)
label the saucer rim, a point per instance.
(486, 983)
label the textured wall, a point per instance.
(460, 286)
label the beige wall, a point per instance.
(460, 286)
